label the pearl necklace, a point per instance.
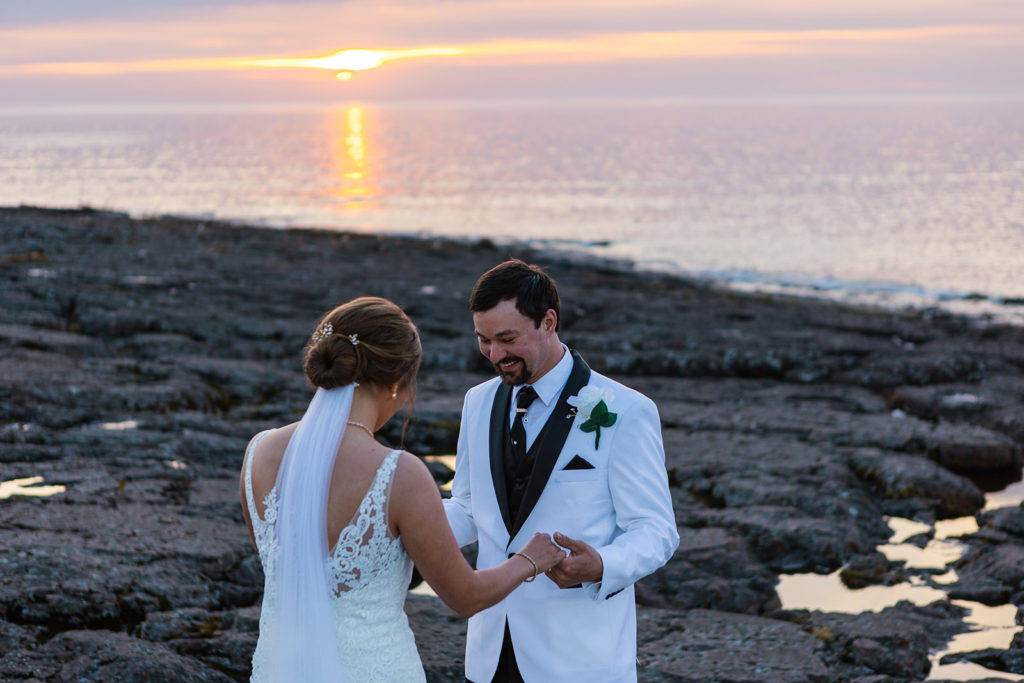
(361, 426)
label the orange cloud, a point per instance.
(594, 48)
(677, 44)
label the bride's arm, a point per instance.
(417, 514)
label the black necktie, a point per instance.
(524, 398)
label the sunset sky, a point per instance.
(101, 51)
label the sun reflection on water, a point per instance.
(354, 189)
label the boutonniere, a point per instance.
(592, 405)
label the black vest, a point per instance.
(517, 475)
(518, 488)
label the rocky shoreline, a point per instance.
(138, 357)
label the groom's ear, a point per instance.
(549, 323)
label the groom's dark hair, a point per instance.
(533, 290)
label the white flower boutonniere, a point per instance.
(592, 405)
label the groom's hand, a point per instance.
(583, 563)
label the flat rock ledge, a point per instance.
(137, 358)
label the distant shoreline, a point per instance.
(891, 298)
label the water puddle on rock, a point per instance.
(446, 460)
(1011, 496)
(119, 426)
(28, 486)
(991, 627)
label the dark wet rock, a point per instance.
(795, 479)
(798, 507)
(916, 368)
(902, 477)
(994, 402)
(103, 656)
(204, 447)
(964, 448)
(822, 418)
(197, 623)
(28, 337)
(231, 381)
(712, 569)
(440, 638)
(869, 569)
(703, 645)
(894, 642)
(18, 637)
(222, 640)
(88, 570)
(1009, 520)
(1010, 661)
(877, 657)
(441, 473)
(786, 539)
(971, 449)
(946, 402)
(990, 574)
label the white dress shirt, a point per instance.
(548, 389)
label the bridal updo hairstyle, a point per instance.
(387, 351)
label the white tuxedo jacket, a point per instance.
(621, 506)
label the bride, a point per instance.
(339, 519)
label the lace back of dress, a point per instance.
(370, 571)
(363, 547)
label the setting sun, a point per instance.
(350, 60)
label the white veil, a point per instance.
(304, 644)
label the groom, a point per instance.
(551, 446)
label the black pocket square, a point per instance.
(578, 463)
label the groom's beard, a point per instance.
(519, 375)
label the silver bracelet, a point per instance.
(536, 569)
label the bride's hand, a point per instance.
(544, 552)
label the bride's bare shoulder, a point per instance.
(265, 450)
(414, 494)
(268, 452)
(412, 476)
(273, 441)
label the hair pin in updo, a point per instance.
(354, 338)
(326, 331)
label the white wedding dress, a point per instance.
(370, 571)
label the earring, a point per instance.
(394, 393)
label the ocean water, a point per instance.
(894, 203)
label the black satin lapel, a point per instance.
(552, 438)
(499, 426)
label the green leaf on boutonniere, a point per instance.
(600, 416)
